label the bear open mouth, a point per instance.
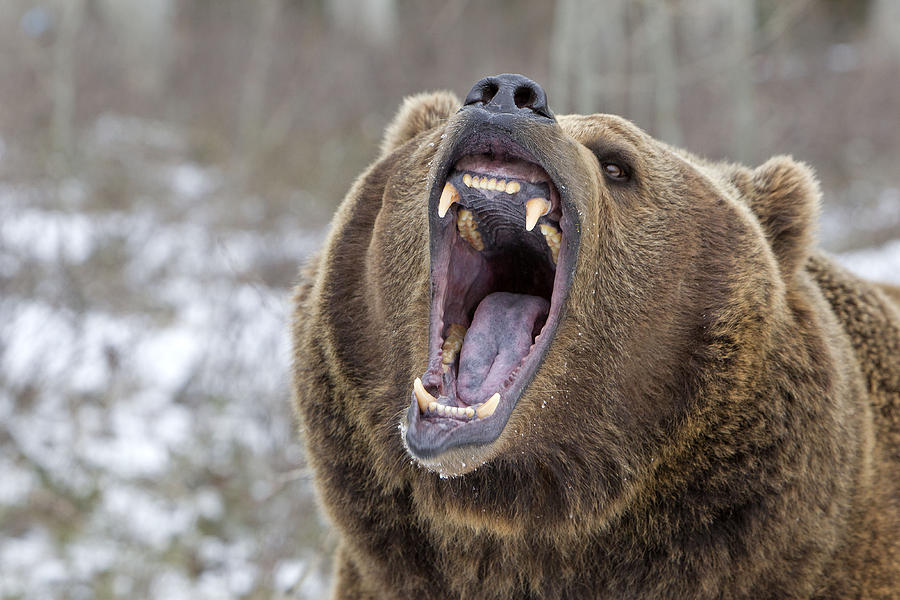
(498, 242)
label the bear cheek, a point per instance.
(397, 271)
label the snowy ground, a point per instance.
(146, 443)
(147, 447)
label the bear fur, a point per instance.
(717, 416)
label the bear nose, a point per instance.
(510, 93)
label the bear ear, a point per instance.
(784, 195)
(417, 114)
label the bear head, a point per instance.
(523, 315)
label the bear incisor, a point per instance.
(550, 356)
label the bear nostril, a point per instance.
(483, 93)
(525, 96)
(489, 91)
(510, 93)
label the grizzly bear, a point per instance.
(550, 356)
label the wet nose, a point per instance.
(510, 93)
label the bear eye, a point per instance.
(615, 171)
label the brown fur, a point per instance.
(718, 415)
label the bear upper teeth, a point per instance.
(553, 237)
(534, 210)
(491, 183)
(448, 197)
(465, 222)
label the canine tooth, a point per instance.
(513, 187)
(448, 197)
(488, 408)
(470, 412)
(465, 222)
(553, 238)
(535, 209)
(467, 179)
(422, 396)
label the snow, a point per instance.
(17, 483)
(877, 264)
(143, 386)
(190, 182)
(288, 574)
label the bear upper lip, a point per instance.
(500, 273)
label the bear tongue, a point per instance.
(495, 344)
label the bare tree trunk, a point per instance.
(743, 26)
(374, 20)
(143, 29)
(588, 55)
(565, 19)
(70, 14)
(605, 55)
(884, 24)
(661, 52)
(253, 94)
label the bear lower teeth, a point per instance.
(428, 405)
(455, 335)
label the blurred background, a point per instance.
(166, 165)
